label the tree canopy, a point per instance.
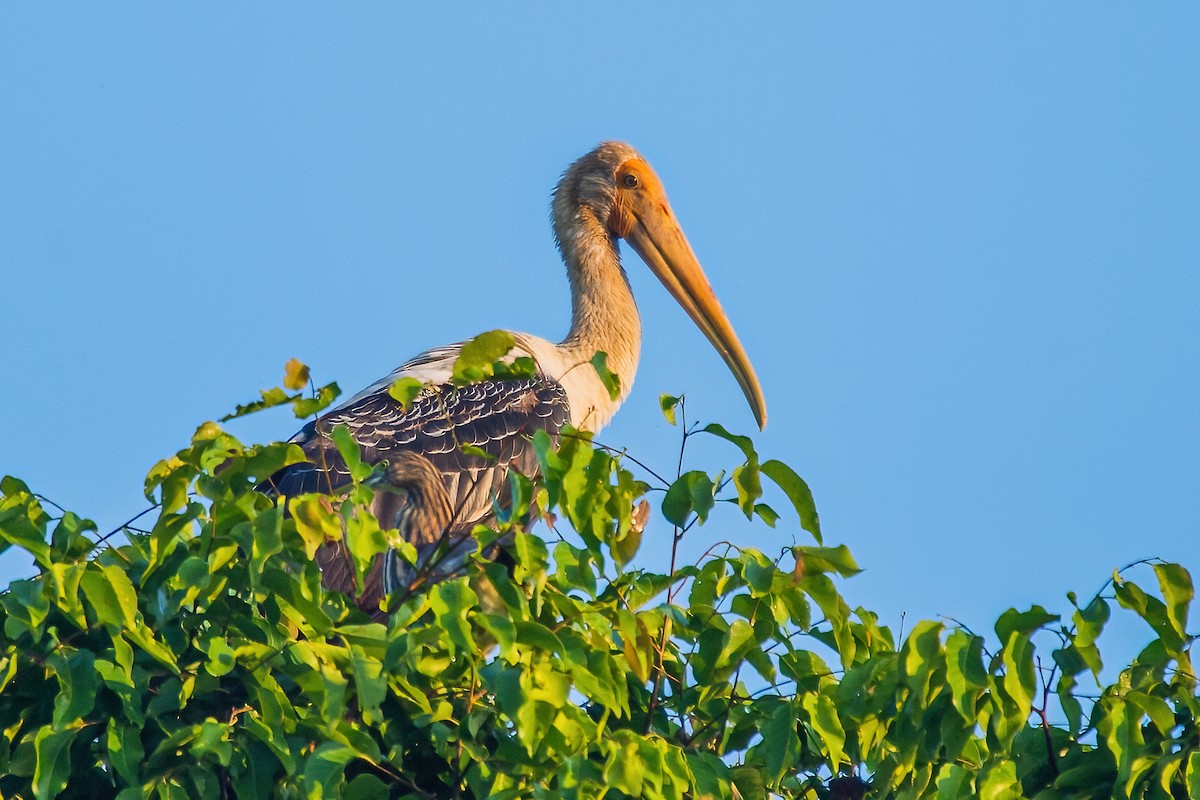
(198, 655)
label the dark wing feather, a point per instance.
(498, 417)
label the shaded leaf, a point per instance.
(611, 381)
(692, 492)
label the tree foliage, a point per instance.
(202, 657)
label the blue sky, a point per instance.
(959, 242)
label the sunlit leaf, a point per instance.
(667, 403)
(53, 761)
(275, 396)
(1023, 623)
(295, 374)
(348, 448)
(827, 559)
(475, 359)
(405, 389)
(304, 407)
(1175, 582)
(797, 492)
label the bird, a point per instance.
(410, 498)
(474, 434)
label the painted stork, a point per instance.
(609, 194)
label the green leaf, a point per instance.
(316, 521)
(965, 671)
(744, 443)
(807, 669)
(477, 452)
(451, 602)
(1023, 622)
(351, 452)
(1153, 611)
(749, 487)
(1089, 622)
(797, 492)
(324, 769)
(691, 492)
(625, 769)
(76, 675)
(1000, 782)
(111, 596)
(405, 390)
(295, 374)
(287, 593)
(1019, 680)
(15, 487)
(537, 637)
(626, 547)
(611, 381)
(1155, 708)
(1178, 592)
(23, 521)
(766, 514)
(520, 367)
(69, 541)
(270, 398)
(27, 607)
(668, 403)
(221, 658)
(818, 560)
(749, 782)
(823, 716)
(365, 787)
(53, 749)
(125, 751)
(710, 776)
(476, 358)
(304, 407)
(365, 540)
(780, 744)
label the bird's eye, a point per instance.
(630, 181)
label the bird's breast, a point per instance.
(590, 404)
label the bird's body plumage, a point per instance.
(498, 417)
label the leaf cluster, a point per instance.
(203, 658)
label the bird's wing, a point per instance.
(497, 416)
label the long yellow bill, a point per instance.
(651, 229)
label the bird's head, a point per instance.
(615, 186)
(409, 488)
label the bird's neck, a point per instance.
(604, 316)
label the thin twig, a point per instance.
(1041, 712)
(622, 453)
(42, 498)
(677, 536)
(124, 526)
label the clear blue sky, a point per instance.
(960, 242)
